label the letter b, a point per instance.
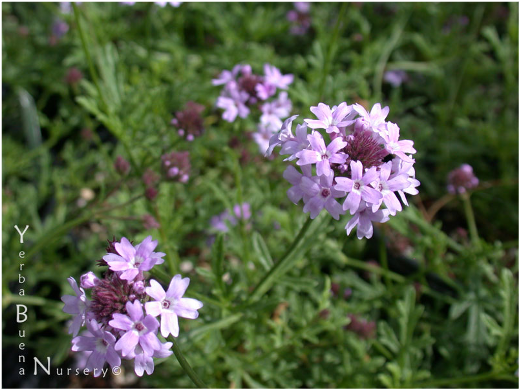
(19, 314)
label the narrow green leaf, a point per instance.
(262, 252)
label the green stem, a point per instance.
(470, 217)
(185, 365)
(279, 268)
(459, 380)
(384, 260)
(330, 51)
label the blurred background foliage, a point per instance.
(443, 312)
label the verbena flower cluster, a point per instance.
(125, 310)
(244, 90)
(299, 18)
(364, 160)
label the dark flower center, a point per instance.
(139, 327)
(166, 304)
(357, 185)
(325, 192)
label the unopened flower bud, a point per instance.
(88, 280)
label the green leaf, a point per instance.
(217, 262)
(262, 252)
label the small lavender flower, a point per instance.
(462, 179)
(263, 134)
(75, 305)
(296, 193)
(363, 219)
(101, 344)
(375, 120)
(144, 362)
(322, 155)
(387, 186)
(176, 166)
(358, 187)
(273, 76)
(330, 119)
(395, 77)
(275, 111)
(322, 194)
(395, 146)
(140, 330)
(59, 28)
(170, 304)
(219, 222)
(130, 260)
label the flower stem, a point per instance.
(470, 217)
(280, 267)
(185, 365)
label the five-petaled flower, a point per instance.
(170, 304)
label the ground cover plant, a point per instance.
(260, 194)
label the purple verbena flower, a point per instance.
(375, 120)
(296, 193)
(358, 187)
(322, 194)
(75, 305)
(170, 304)
(363, 219)
(396, 146)
(322, 155)
(130, 260)
(387, 186)
(331, 119)
(101, 344)
(140, 330)
(273, 76)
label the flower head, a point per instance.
(362, 159)
(117, 326)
